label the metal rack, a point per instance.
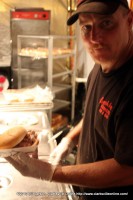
(49, 43)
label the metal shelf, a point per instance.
(59, 104)
(50, 56)
(62, 74)
(26, 107)
(59, 88)
(45, 57)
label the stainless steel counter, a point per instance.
(28, 188)
(25, 188)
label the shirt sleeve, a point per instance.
(124, 131)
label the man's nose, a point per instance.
(95, 34)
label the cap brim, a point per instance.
(102, 8)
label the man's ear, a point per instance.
(130, 19)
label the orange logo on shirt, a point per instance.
(105, 107)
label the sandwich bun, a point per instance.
(11, 137)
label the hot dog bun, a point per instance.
(11, 137)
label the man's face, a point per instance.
(105, 37)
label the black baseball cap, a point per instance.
(103, 7)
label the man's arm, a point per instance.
(101, 174)
(73, 135)
(66, 145)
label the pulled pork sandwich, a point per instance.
(16, 137)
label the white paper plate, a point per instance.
(10, 152)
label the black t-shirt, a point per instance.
(108, 119)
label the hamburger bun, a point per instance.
(11, 137)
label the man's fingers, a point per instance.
(10, 160)
(23, 157)
(16, 162)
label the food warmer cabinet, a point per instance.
(27, 21)
(59, 63)
(14, 186)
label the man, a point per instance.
(105, 148)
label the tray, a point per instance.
(10, 152)
(26, 107)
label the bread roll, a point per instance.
(12, 137)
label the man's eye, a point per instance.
(106, 24)
(86, 28)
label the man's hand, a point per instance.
(32, 167)
(61, 151)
